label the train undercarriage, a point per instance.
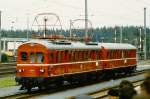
(27, 83)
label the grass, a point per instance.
(7, 81)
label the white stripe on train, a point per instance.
(73, 62)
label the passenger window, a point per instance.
(96, 54)
(99, 54)
(52, 57)
(66, 53)
(90, 55)
(83, 55)
(24, 56)
(40, 57)
(86, 55)
(70, 55)
(122, 53)
(32, 60)
(74, 55)
(80, 56)
(60, 56)
(57, 57)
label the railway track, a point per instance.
(103, 93)
(7, 68)
(99, 94)
(18, 96)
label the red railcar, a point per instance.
(42, 62)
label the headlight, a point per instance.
(42, 70)
(20, 70)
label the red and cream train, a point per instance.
(42, 62)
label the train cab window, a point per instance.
(24, 56)
(32, 60)
(40, 57)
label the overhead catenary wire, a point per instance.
(102, 13)
(143, 2)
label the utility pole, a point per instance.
(140, 39)
(121, 34)
(145, 48)
(27, 27)
(86, 20)
(45, 29)
(0, 38)
(140, 49)
(70, 29)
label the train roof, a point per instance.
(79, 45)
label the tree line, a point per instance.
(130, 34)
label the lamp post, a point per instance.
(0, 37)
(145, 47)
(27, 26)
(86, 19)
(12, 30)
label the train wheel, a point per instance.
(22, 87)
(112, 74)
(41, 87)
(83, 79)
(100, 76)
(28, 89)
(59, 83)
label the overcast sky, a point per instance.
(101, 12)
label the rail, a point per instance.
(99, 94)
(7, 68)
(19, 96)
(102, 94)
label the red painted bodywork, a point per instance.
(71, 61)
